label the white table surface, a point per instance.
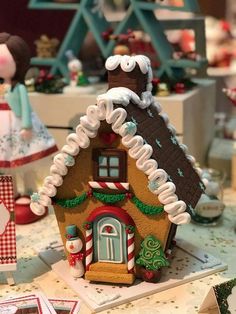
(220, 241)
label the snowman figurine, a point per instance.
(74, 66)
(74, 246)
(78, 81)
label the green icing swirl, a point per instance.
(151, 255)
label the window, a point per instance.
(109, 165)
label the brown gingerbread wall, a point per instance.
(76, 182)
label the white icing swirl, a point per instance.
(166, 193)
(180, 219)
(157, 106)
(88, 127)
(128, 63)
(113, 62)
(73, 146)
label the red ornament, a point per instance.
(155, 81)
(128, 231)
(106, 35)
(90, 193)
(149, 274)
(129, 195)
(108, 229)
(180, 88)
(108, 137)
(49, 76)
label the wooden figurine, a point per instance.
(46, 47)
(122, 176)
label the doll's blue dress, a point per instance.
(16, 114)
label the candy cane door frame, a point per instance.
(109, 226)
(110, 236)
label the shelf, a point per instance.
(49, 5)
(140, 15)
(189, 6)
(186, 63)
(43, 61)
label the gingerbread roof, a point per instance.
(151, 140)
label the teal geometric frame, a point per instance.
(139, 15)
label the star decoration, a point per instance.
(35, 197)
(202, 186)
(180, 172)
(134, 121)
(158, 143)
(174, 140)
(191, 208)
(150, 113)
(153, 185)
(69, 161)
(169, 178)
(131, 127)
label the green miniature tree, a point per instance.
(151, 255)
(82, 80)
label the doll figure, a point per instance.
(23, 138)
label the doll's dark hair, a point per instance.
(21, 54)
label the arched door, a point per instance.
(109, 234)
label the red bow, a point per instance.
(75, 257)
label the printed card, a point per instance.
(7, 225)
(221, 299)
(33, 303)
(65, 306)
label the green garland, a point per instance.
(110, 199)
(147, 209)
(73, 202)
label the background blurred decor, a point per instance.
(46, 47)
(89, 16)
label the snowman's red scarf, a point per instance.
(74, 257)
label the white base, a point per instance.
(8, 267)
(78, 90)
(189, 263)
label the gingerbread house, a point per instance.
(122, 176)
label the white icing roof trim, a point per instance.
(128, 63)
(88, 128)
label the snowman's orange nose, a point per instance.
(71, 246)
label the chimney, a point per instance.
(134, 80)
